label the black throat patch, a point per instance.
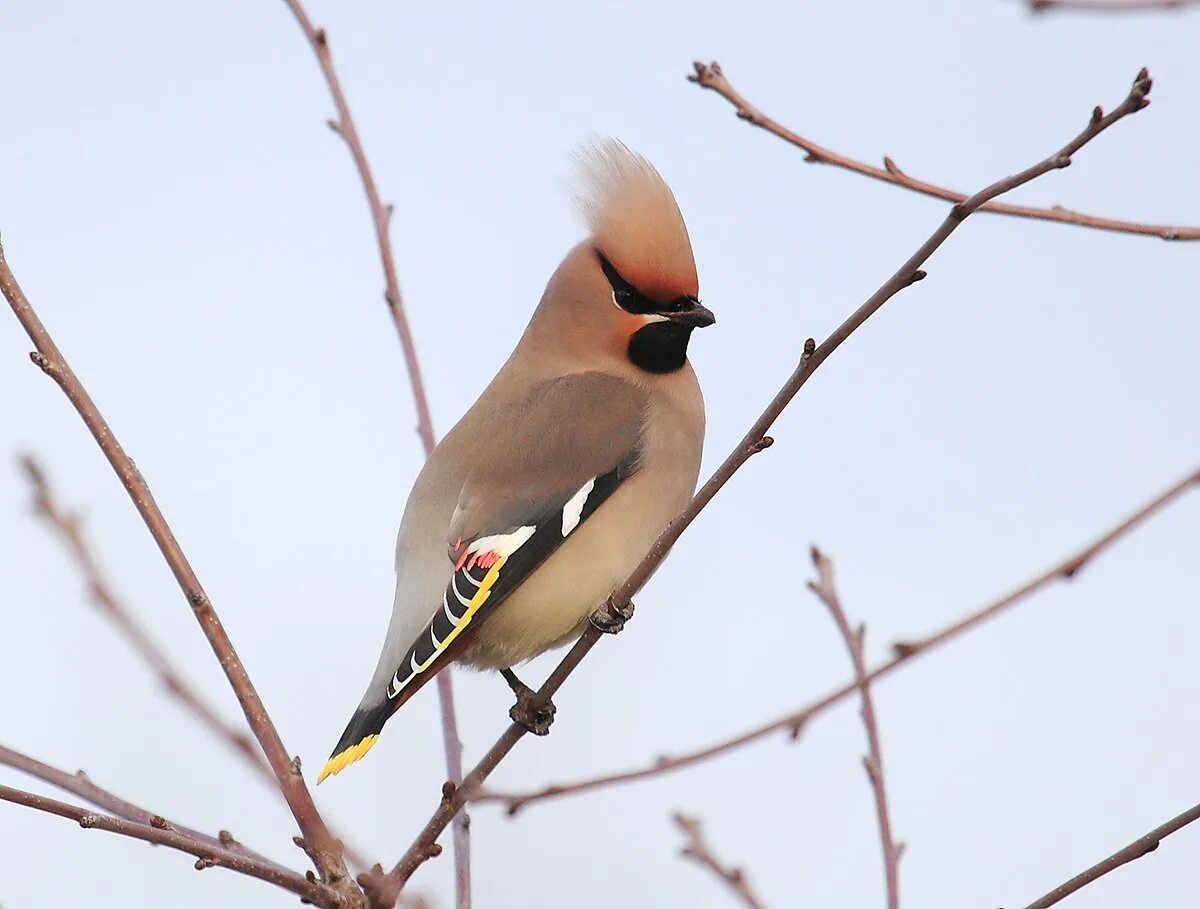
(660, 347)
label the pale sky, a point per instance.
(196, 239)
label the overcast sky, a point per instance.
(196, 239)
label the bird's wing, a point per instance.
(562, 451)
(545, 464)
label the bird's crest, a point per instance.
(634, 219)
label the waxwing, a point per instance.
(553, 486)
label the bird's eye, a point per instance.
(682, 304)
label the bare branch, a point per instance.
(67, 526)
(384, 887)
(324, 850)
(1143, 845)
(207, 855)
(826, 591)
(80, 784)
(710, 76)
(381, 216)
(1110, 6)
(452, 745)
(697, 850)
(904, 651)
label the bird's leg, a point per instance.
(533, 719)
(611, 618)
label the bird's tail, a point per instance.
(360, 735)
(366, 724)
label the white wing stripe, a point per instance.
(458, 596)
(573, 510)
(395, 686)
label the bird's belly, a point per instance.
(550, 607)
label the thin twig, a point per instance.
(710, 76)
(207, 856)
(1143, 845)
(381, 216)
(320, 845)
(696, 848)
(826, 592)
(1110, 6)
(381, 887)
(903, 651)
(80, 784)
(68, 526)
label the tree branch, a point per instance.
(80, 784)
(383, 888)
(324, 850)
(68, 526)
(827, 593)
(710, 76)
(206, 854)
(381, 216)
(1143, 845)
(696, 849)
(903, 652)
(1110, 6)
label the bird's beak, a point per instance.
(695, 316)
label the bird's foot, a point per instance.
(535, 719)
(611, 618)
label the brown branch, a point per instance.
(903, 652)
(80, 784)
(697, 850)
(826, 592)
(710, 76)
(163, 834)
(461, 830)
(1143, 845)
(382, 888)
(381, 216)
(1110, 6)
(324, 850)
(68, 526)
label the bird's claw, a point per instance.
(532, 719)
(535, 719)
(611, 617)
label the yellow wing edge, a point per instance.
(348, 756)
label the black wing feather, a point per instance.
(430, 651)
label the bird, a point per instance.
(552, 487)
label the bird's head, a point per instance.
(630, 289)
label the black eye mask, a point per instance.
(626, 296)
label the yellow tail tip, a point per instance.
(345, 758)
